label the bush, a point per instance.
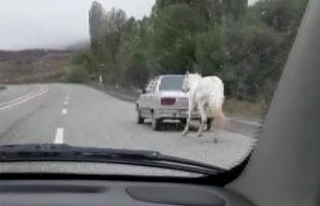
(77, 74)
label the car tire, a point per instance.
(155, 123)
(140, 119)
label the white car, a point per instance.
(163, 99)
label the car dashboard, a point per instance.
(111, 192)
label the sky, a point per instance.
(56, 24)
(250, 2)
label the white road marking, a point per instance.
(66, 102)
(64, 111)
(23, 99)
(68, 95)
(59, 136)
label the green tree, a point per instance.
(114, 22)
(233, 10)
(133, 57)
(246, 46)
(173, 38)
(210, 10)
(209, 53)
(96, 25)
(284, 16)
(250, 50)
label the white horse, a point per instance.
(207, 94)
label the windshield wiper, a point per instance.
(67, 153)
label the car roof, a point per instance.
(171, 75)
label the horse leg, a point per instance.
(209, 118)
(190, 109)
(209, 123)
(217, 118)
(202, 111)
(215, 138)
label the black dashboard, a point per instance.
(111, 192)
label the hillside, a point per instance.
(32, 66)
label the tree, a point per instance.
(250, 51)
(173, 42)
(233, 10)
(284, 16)
(210, 10)
(114, 22)
(133, 57)
(106, 29)
(209, 53)
(96, 23)
(246, 46)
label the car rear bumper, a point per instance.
(175, 114)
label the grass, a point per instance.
(243, 108)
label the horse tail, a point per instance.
(219, 118)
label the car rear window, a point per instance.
(172, 83)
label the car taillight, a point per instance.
(168, 101)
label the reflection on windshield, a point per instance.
(81, 85)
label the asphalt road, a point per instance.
(82, 116)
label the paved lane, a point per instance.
(82, 116)
(34, 120)
(14, 91)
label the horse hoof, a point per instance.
(184, 134)
(215, 140)
(199, 135)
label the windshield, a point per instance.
(171, 83)
(88, 74)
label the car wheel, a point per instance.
(140, 119)
(155, 123)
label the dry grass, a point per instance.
(32, 66)
(243, 108)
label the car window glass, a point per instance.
(81, 86)
(171, 83)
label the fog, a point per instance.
(26, 24)
(57, 24)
